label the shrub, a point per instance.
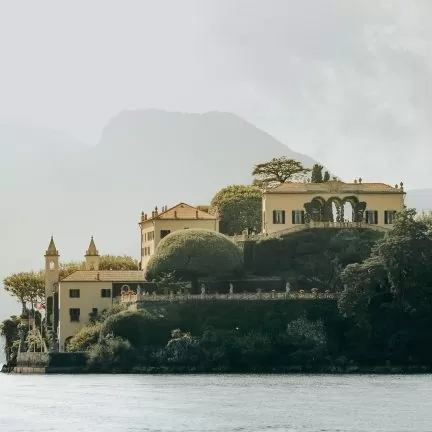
(182, 349)
(112, 354)
(192, 253)
(85, 338)
(139, 328)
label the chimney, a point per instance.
(175, 214)
(156, 211)
(196, 214)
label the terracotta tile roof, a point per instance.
(182, 211)
(105, 276)
(333, 186)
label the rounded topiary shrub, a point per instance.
(194, 253)
(138, 328)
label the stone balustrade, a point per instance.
(273, 295)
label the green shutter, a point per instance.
(274, 216)
(293, 217)
(302, 217)
(366, 215)
(376, 216)
(283, 216)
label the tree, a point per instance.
(317, 176)
(279, 170)
(193, 253)
(238, 207)
(406, 253)
(26, 287)
(107, 262)
(111, 262)
(326, 177)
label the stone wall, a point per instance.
(37, 362)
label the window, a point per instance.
(371, 217)
(74, 293)
(278, 216)
(150, 235)
(74, 314)
(105, 293)
(298, 217)
(389, 217)
(164, 233)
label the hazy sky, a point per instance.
(347, 82)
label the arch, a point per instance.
(125, 288)
(315, 209)
(349, 204)
(333, 209)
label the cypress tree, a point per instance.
(317, 176)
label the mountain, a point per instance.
(51, 183)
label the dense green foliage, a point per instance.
(112, 354)
(139, 329)
(189, 254)
(112, 262)
(389, 295)
(107, 262)
(314, 257)
(9, 330)
(85, 338)
(279, 170)
(238, 208)
(219, 336)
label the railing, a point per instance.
(301, 227)
(134, 298)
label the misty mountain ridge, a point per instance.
(54, 184)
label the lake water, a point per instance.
(218, 403)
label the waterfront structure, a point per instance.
(74, 300)
(158, 225)
(333, 203)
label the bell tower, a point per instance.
(92, 257)
(52, 276)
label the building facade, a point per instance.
(158, 225)
(74, 300)
(334, 203)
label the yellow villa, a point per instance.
(334, 203)
(72, 301)
(182, 216)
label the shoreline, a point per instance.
(292, 370)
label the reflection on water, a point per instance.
(215, 403)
